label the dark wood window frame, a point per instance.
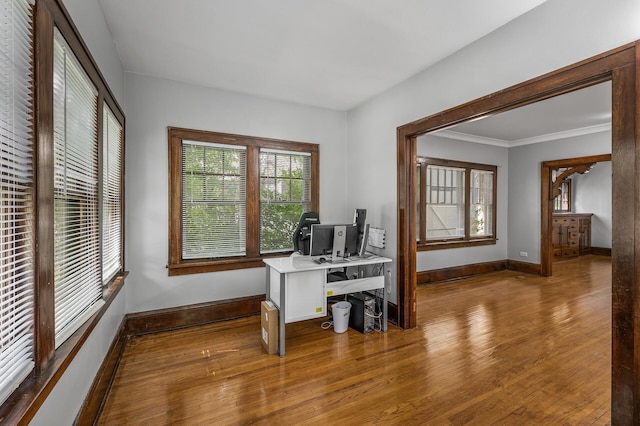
(253, 259)
(467, 240)
(51, 363)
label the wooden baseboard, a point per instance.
(191, 315)
(464, 271)
(524, 267)
(96, 398)
(601, 251)
(457, 272)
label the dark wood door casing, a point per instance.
(619, 67)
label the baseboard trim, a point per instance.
(94, 403)
(192, 315)
(524, 267)
(601, 251)
(462, 271)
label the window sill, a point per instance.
(442, 245)
(202, 266)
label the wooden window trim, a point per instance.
(467, 240)
(253, 259)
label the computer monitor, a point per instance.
(351, 247)
(322, 240)
(360, 218)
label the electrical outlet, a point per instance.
(524, 254)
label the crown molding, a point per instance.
(450, 134)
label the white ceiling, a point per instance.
(577, 113)
(328, 53)
(334, 53)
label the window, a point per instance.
(285, 193)
(16, 196)
(234, 199)
(78, 283)
(214, 200)
(455, 203)
(111, 195)
(562, 202)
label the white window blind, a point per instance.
(285, 193)
(78, 285)
(16, 195)
(111, 195)
(213, 200)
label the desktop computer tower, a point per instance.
(363, 312)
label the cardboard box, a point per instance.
(269, 326)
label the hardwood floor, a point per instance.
(502, 348)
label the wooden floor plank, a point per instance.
(501, 348)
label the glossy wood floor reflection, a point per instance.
(504, 348)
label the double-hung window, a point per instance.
(285, 193)
(214, 207)
(112, 186)
(78, 283)
(235, 199)
(455, 203)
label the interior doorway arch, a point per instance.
(619, 67)
(546, 203)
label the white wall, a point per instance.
(591, 193)
(153, 104)
(556, 34)
(450, 149)
(524, 186)
(88, 17)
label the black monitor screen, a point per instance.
(351, 241)
(321, 240)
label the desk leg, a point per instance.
(282, 312)
(268, 282)
(385, 309)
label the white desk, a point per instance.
(298, 287)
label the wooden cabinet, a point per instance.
(570, 235)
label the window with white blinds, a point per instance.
(111, 195)
(285, 193)
(78, 284)
(234, 199)
(214, 207)
(16, 195)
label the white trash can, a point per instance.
(341, 316)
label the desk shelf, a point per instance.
(337, 288)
